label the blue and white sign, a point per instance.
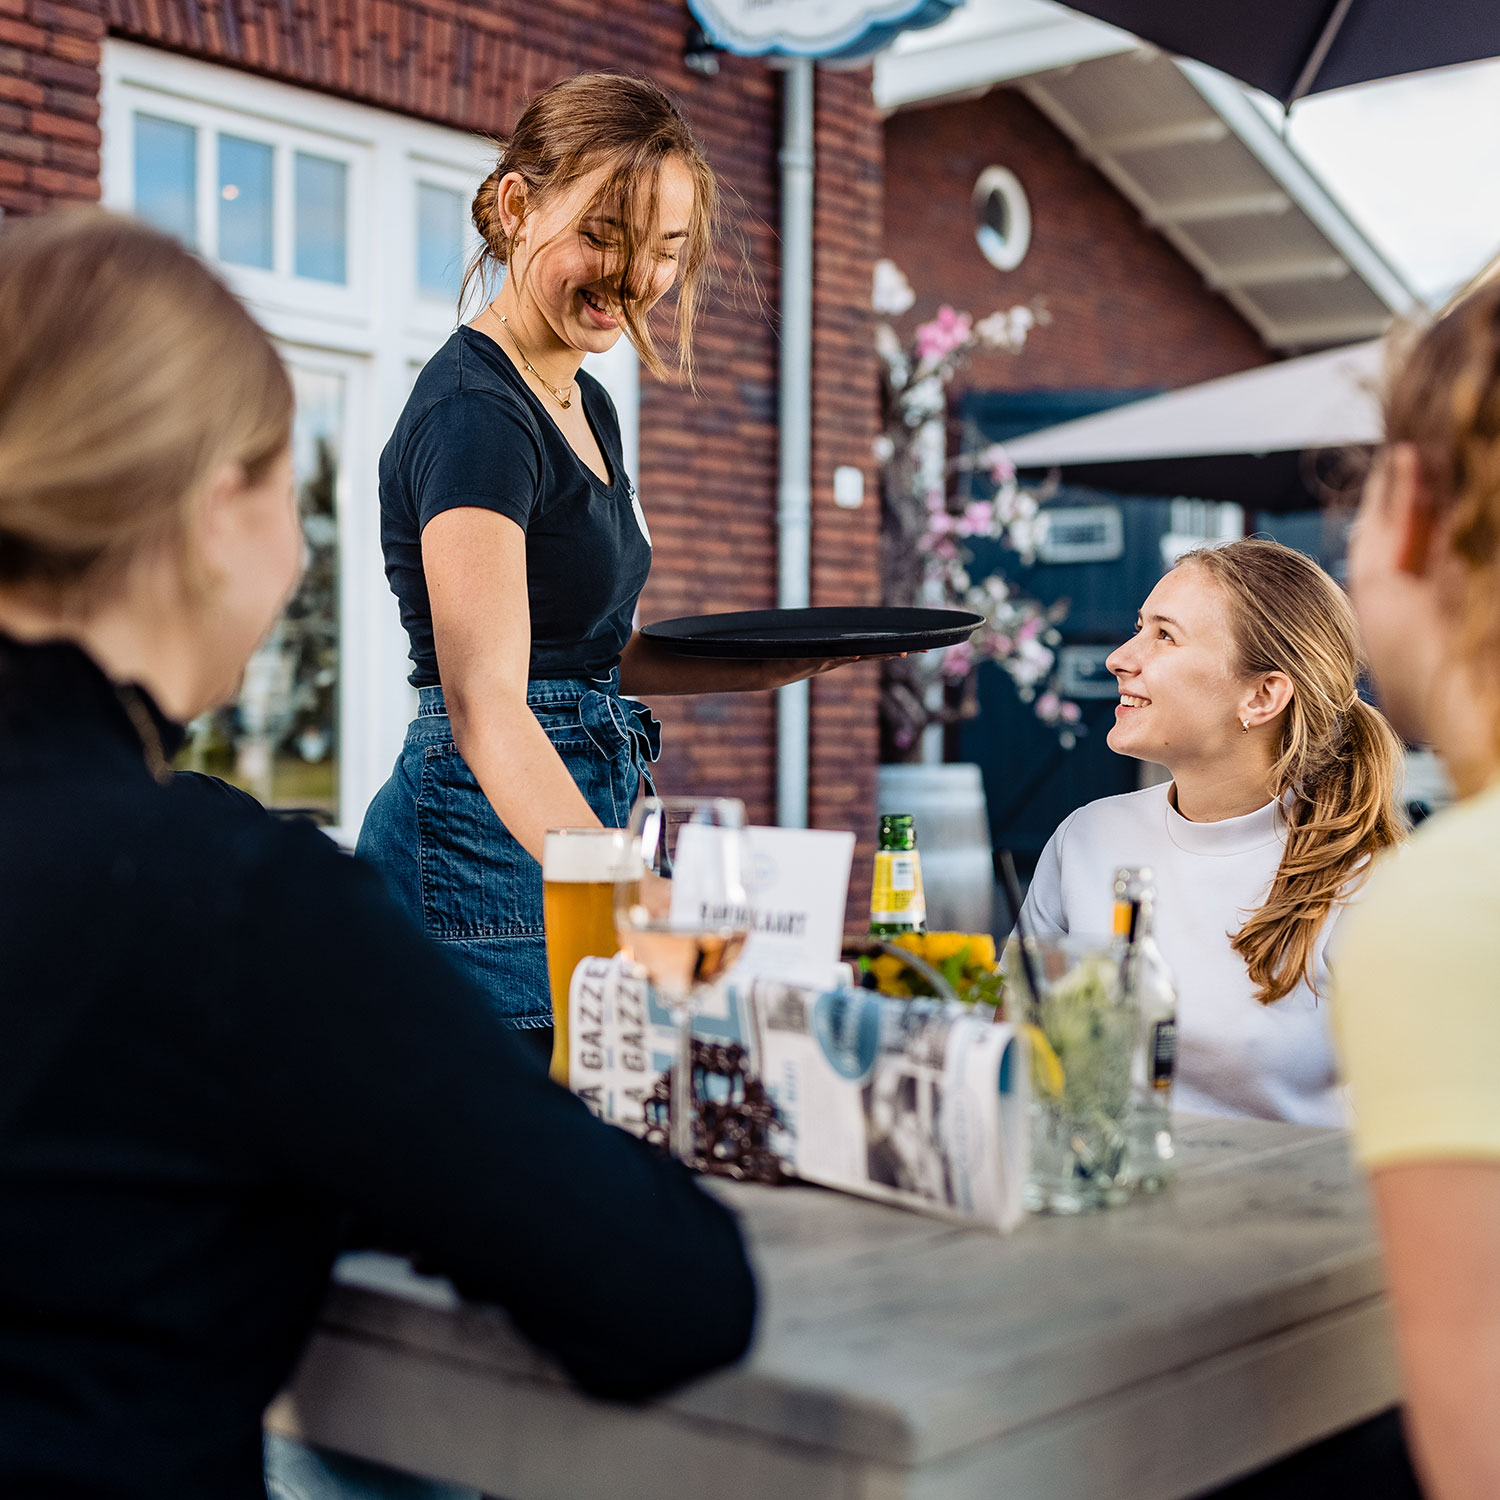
(813, 28)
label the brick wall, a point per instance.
(1127, 310)
(708, 461)
(49, 103)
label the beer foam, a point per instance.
(591, 854)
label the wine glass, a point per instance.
(683, 917)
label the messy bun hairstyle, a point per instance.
(630, 129)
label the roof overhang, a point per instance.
(1189, 147)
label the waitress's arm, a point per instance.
(647, 669)
(475, 563)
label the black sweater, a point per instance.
(220, 1043)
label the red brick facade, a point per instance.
(708, 463)
(49, 103)
(1127, 311)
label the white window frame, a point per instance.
(1003, 251)
(378, 330)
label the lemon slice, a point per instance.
(1046, 1067)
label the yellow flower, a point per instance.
(967, 958)
(890, 975)
(982, 950)
(976, 949)
(941, 945)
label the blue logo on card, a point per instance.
(847, 1026)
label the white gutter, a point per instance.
(794, 487)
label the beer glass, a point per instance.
(684, 918)
(580, 868)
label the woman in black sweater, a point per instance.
(220, 1042)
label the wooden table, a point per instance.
(1140, 1354)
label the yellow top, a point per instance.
(1417, 994)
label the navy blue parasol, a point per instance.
(1291, 48)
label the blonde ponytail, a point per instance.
(1339, 762)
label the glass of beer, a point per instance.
(580, 869)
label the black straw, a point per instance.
(1012, 888)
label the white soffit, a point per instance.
(1187, 146)
(985, 42)
(1323, 400)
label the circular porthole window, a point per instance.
(1002, 218)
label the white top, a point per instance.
(1235, 1056)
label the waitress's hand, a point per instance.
(646, 668)
(779, 672)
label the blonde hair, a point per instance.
(1443, 397)
(631, 128)
(1338, 758)
(128, 375)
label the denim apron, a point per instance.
(453, 864)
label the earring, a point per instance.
(1245, 725)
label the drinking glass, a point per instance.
(683, 918)
(1083, 1033)
(580, 867)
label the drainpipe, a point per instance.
(794, 484)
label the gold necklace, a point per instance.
(563, 401)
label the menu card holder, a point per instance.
(914, 1102)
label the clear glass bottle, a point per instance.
(897, 903)
(1149, 985)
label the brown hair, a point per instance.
(129, 373)
(1443, 396)
(629, 127)
(1338, 758)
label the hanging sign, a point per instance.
(813, 28)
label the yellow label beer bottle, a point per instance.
(897, 904)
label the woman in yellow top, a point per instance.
(1417, 982)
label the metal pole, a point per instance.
(794, 489)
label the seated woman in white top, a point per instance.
(1241, 680)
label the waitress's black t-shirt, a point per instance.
(474, 434)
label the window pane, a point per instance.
(246, 171)
(440, 240)
(166, 176)
(280, 741)
(322, 212)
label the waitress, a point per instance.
(514, 540)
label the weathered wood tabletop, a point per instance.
(1141, 1354)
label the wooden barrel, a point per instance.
(953, 834)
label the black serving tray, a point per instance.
(840, 630)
